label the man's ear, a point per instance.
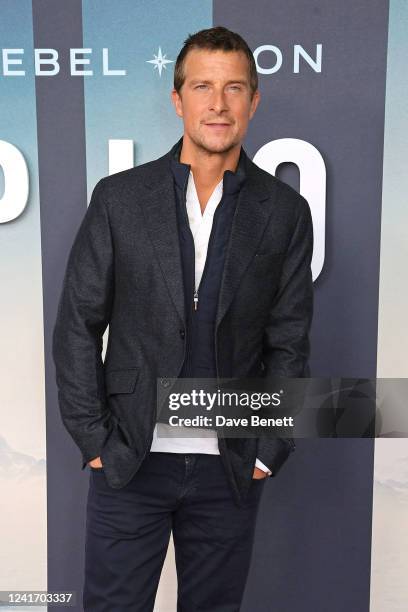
(178, 104)
(254, 103)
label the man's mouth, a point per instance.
(217, 125)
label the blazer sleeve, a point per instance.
(286, 344)
(83, 314)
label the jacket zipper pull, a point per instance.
(195, 300)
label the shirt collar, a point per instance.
(232, 181)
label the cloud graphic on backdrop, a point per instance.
(15, 465)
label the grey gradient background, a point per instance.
(62, 172)
(314, 538)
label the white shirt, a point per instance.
(165, 437)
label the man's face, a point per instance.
(215, 99)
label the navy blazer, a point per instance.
(124, 270)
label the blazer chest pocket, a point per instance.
(265, 261)
(267, 253)
(121, 380)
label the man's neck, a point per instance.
(208, 168)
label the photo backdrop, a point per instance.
(332, 122)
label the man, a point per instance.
(199, 261)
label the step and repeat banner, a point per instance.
(85, 92)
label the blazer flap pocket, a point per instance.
(121, 381)
(273, 255)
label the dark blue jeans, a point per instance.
(128, 531)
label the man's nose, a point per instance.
(218, 101)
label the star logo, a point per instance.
(160, 61)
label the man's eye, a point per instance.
(201, 86)
(237, 87)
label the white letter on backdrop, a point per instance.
(312, 172)
(16, 182)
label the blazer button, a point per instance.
(182, 333)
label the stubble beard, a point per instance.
(210, 148)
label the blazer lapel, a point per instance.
(159, 207)
(249, 222)
(248, 225)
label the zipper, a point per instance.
(211, 239)
(195, 295)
